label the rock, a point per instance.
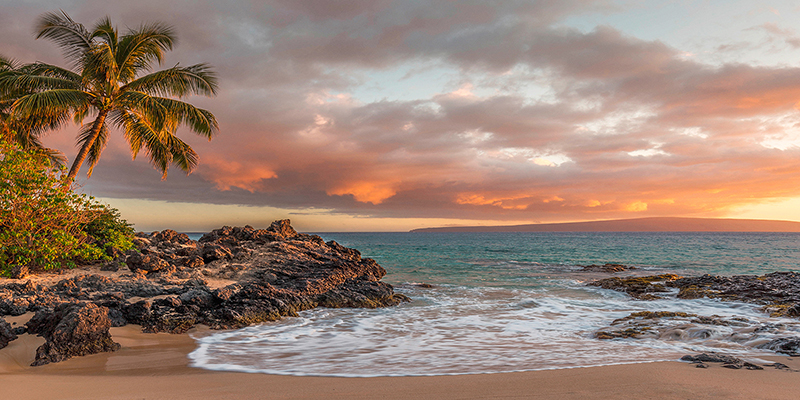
(168, 235)
(701, 365)
(7, 333)
(283, 228)
(711, 357)
(200, 298)
(641, 288)
(786, 345)
(194, 262)
(272, 273)
(113, 266)
(215, 252)
(778, 365)
(139, 312)
(19, 272)
(72, 329)
(146, 262)
(607, 267)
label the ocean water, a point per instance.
(502, 302)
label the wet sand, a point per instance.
(155, 366)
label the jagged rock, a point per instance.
(19, 271)
(215, 252)
(785, 345)
(194, 262)
(198, 297)
(72, 329)
(273, 273)
(146, 263)
(779, 292)
(7, 333)
(641, 288)
(607, 267)
(283, 228)
(711, 357)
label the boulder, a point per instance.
(283, 228)
(7, 333)
(146, 263)
(70, 330)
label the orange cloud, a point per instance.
(366, 192)
(229, 174)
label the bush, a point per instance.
(44, 224)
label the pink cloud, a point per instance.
(626, 126)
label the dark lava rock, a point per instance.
(607, 267)
(283, 228)
(7, 333)
(785, 345)
(271, 273)
(778, 365)
(146, 263)
(215, 252)
(19, 271)
(72, 329)
(779, 289)
(641, 288)
(726, 360)
(778, 292)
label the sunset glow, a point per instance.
(382, 115)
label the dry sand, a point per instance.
(155, 366)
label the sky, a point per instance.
(380, 115)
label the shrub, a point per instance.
(44, 224)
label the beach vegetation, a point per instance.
(44, 224)
(110, 85)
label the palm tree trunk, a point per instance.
(97, 126)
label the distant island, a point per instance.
(653, 224)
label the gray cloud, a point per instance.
(624, 125)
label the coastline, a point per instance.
(155, 366)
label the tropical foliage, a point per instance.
(44, 224)
(109, 82)
(25, 132)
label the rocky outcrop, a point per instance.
(232, 277)
(778, 292)
(786, 345)
(7, 333)
(607, 267)
(71, 330)
(642, 287)
(727, 361)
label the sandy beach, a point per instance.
(155, 366)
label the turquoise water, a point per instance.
(476, 259)
(504, 302)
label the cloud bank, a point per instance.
(517, 115)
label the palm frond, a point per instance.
(32, 143)
(146, 108)
(44, 69)
(178, 81)
(139, 48)
(72, 37)
(200, 121)
(182, 154)
(104, 30)
(141, 135)
(27, 83)
(7, 64)
(50, 102)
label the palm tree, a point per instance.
(25, 133)
(108, 83)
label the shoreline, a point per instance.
(156, 366)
